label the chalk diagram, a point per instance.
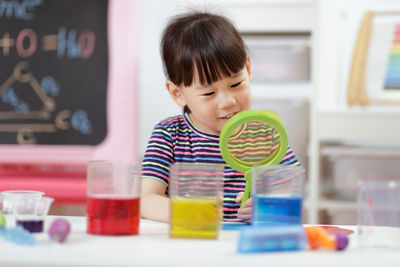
(35, 120)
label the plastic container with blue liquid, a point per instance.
(277, 195)
(269, 239)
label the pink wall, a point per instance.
(121, 141)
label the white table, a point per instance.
(153, 247)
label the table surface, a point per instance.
(154, 247)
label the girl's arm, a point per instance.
(154, 205)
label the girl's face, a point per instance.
(211, 106)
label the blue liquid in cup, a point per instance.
(282, 210)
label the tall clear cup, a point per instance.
(379, 214)
(113, 197)
(196, 198)
(277, 195)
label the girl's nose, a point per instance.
(227, 100)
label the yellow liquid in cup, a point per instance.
(194, 218)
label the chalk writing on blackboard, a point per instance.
(19, 9)
(53, 72)
(65, 43)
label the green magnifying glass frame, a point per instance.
(264, 116)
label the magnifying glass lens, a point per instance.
(253, 142)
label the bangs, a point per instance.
(210, 46)
(212, 66)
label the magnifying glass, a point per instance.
(253, 137)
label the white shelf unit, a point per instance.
(365, 136)
(294, 91)
(374, 128)
(334, 205)
(271, 15)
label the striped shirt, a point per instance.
(176, 139)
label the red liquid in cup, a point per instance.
(113, 216)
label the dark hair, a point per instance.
(208, 42)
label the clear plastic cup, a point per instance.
(26, 208)
(379, 214)
(277, 195)
(30, 212)
(195, 193)
(10, 199)
(22, 193)
(113, 197)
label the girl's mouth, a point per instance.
(228, 116)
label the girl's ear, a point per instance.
(248, 67)
(176, 93)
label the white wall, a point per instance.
(155, 103)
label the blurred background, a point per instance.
(330, 69)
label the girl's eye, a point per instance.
(208, 94)
(236, 84)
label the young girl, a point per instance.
(209, 74)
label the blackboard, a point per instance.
(53, 72)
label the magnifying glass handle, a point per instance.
(247, 189)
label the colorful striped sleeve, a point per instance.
(290, 158)
(159, 155)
